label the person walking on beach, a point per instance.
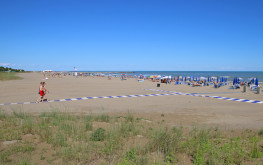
(42, 92)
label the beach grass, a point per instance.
(9, 76)
(65, 138)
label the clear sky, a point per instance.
(132, 35)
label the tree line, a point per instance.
(6, 69)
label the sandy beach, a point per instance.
(177, 109)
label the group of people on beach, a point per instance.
(42, 92)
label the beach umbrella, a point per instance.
(234, 81)
(256, 82)
(253, 80)
(217, 79)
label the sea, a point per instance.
(244, 75)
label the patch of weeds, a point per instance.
(49, 161)
(4, 156)
(165, 141)
(2, 114)
(12, 135)
(20, 114)
(129, 118)
(131, 155)
(70, 141)
(27, 126)
(9, 76)
(60, 139)
(67, 128)
(23, 148)
(170, 158)
(89, 118)
(46, 134)
(42, 157)
(98, 135)
(102, 118)
(68, 153)
(113, 141)
(88, 126)
(24, 162)
(126, 162)
(141, 160)
(127, 128)
(255, 151)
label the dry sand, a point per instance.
(177, 110)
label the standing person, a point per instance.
(42, 92)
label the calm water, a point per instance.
(243, 74)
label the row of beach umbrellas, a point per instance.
(236, 80)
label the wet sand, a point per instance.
(177, 109)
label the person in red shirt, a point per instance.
(42, 92)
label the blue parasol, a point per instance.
(256, 82)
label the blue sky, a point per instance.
(132, 35)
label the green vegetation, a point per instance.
(64, 138)
(98, 135)
(9, 76)
(3, 69)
